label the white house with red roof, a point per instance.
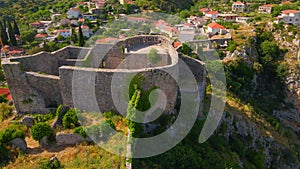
(289, 17)
(38, 25)
(66, 33)
(215, 28)
(239, 7)
(165, 27)
(212, 15)
(267, 8)
(73, 13)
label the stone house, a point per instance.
(239, 7)
(267, 8)
(212, 15)
(73, 13)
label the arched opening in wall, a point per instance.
(103, 64)
(159, 41)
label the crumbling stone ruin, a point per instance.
(44, 81)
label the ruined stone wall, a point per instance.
(45, 80)
(115, 56)
(199, 71)
(94, 87)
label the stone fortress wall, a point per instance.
(45, 80)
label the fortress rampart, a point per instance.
(45, 80)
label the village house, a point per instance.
(267, 8)
(164, 27)
(204, 10)
(38, 25)
(73, 13)
(212, 15)
(215, 28)
(239, 7)
(66, 33)
(289, 17)
(228, 17)
(86, 31)
(197, 21)
(243, 19)
(40, 37)
(64, 22)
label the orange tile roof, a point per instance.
(215, 25)
(41, 35)
(289, 11)
(6, 93)
(176, 44)
(212, 12)
(105, 40)
(239, 3)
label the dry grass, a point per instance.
(80, 156)
(242, 34)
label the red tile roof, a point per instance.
(239, 3)
(74, 9)
(176, 44)
(212, 12)
(106, 40)
(41, 35)
(289, 11)
(215, 25)
(204, 9)
(5, 92)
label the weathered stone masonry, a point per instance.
(45, 80)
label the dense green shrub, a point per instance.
(70, 120)
(43, 117)
(40, 130)
(80, 131)
(3, 153)
(3, 98)
(11, 133)
(5, 111)
(47, 164)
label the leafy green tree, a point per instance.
(269, 51)
(40, 130)
(185, 49)
(80, 37)
(28, 36)
(11, 34)
(153, 56)
(70, 120)
(282, 70)
(16, 28)
(11, 133)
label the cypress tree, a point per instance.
(3, 34)
(16, 28)
(11, 34)
(73, 36)
(80, 37)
